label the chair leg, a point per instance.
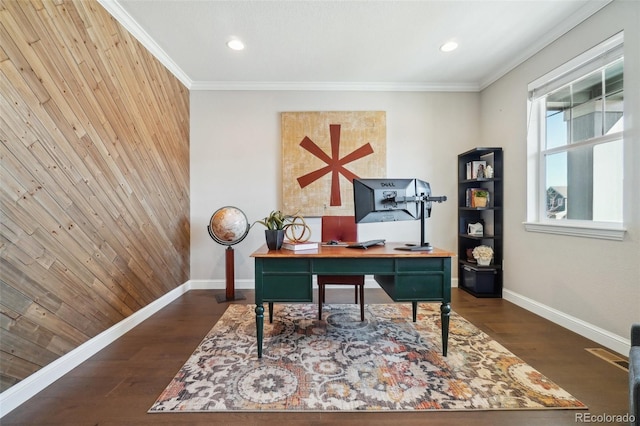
(355, 287)
(361, 301)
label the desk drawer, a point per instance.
(420, 264)
(421, 287)
(287, 288)
(352, 266)
(413, 287)
(286, 265)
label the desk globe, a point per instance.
(228, 226)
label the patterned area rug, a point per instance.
(386, 362)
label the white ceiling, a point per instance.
(346, 45)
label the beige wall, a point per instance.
(95, 180)
(582, 283)
(236, 160)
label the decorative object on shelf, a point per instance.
(488, 172)
(228, 226)
(480, 198)
(476, 169)
(477, 197)
(475, 229)
(483, 254)
(470, 257)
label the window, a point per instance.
(575, 146)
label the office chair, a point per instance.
(340, 228)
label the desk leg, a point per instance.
(414, 306)
(259, 327)
(445, 311)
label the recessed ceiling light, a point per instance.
(235, 44)
(449, 46)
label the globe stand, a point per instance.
(230, 294)
(228, 226)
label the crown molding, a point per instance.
(589, 9)
(118, 13)
(335, 86)
(121, 15)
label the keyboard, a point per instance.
(366, 244)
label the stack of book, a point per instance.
(298, 246)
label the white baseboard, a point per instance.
(220, 284)
(609, 340)
(38, 381)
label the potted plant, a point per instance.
(276, 224)
(483, 255)
(480, 198)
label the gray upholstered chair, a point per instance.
(634, 375)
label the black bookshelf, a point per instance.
(481, 281)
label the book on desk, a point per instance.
(300, 246)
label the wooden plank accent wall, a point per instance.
(95, 179)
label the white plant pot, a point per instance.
(484, 262)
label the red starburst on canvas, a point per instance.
(335, 164)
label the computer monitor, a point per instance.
(384, 200)
(387, 200)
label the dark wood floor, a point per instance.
(119, 384)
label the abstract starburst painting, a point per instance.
(322, 152)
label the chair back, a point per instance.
(339, 228)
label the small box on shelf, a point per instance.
(479, 280)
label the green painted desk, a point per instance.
(287, 276)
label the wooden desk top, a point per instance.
(388, 250)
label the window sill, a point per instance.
(590, 231)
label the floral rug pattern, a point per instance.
(386, 362)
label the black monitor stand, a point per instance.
(424, 246)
